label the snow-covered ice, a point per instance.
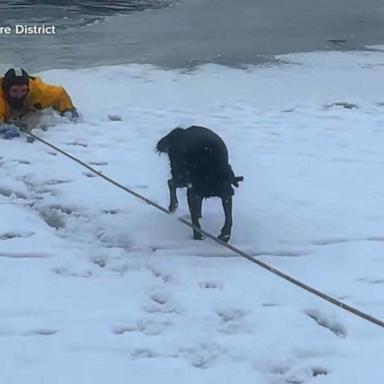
(98, 287)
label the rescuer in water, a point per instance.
(23, 97)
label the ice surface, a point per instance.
(98, 287)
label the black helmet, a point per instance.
(15, 76)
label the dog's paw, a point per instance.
(173, 207)
(224, 237)
(198, 236)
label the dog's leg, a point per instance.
(173, 204)
(199, 206)
(226, 230)
(194, 203)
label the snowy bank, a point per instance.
(97, 287)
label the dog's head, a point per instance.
(169, 141)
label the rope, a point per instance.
(234, 249)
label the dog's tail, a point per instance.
(234, 179)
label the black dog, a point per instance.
(199, 161)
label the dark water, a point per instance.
(74, 45)
(185, 33)
(69, 13)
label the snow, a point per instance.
(97, 286)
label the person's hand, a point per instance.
(72, 115)
(9, 131)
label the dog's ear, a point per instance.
(175, 135)
(173, 138)
(163, 145)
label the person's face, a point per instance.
(17, 95)
(18, 91)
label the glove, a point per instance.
(71, 115)
(8, 132)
